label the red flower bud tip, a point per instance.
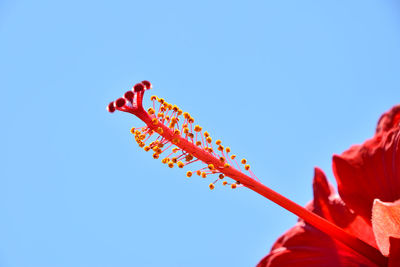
(129, 96)
(111, 107)
(120, 102)
(147, 84)
(138, 87)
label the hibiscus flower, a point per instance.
(368, 178)
(359, 228)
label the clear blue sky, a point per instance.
(284, 83)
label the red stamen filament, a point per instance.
(187, 163)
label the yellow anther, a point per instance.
(137, 132)
(197, 128)
(247, 167)
(221, 148)
(165, 160)
(180, 112)
(186, 130)
(141, 144)
(154, 121)
(169, 106)
(209, 140)
(211, 166)
(212, 186)
(161, 100)
(167, 118)
(174, 159)
(233, 186)
(155, 148)
(233, 156)
(198, 143)
(159, 151)
(156, 156)
(174, 120)
(188, 157)
(163, 109)
(175, 141)
(226, 165)
(165, 104)
(177, 132)
(189, 174)
(224, 183)
(175, 149)
(160, 115)
(133, 130)
(160, 130)
(228, 149)
(171, 165)
(191, 120)
(218, 142)
(175, 108)
(243, 161)
(191, 135)
(160, 145)
(151, 111)
(203, 174)
(222, 159)
(146, 148)
(180, 164)
(206, 134)
(186, 115)
(210, 150)
(153, 97)
(142, 136)
(221, 176)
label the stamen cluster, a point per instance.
(171, 132)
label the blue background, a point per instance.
(284, 83)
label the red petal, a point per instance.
(304, 245)
(389, 120)
(328, 205)
(372, 170)
(385, 223)
(394, 254)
